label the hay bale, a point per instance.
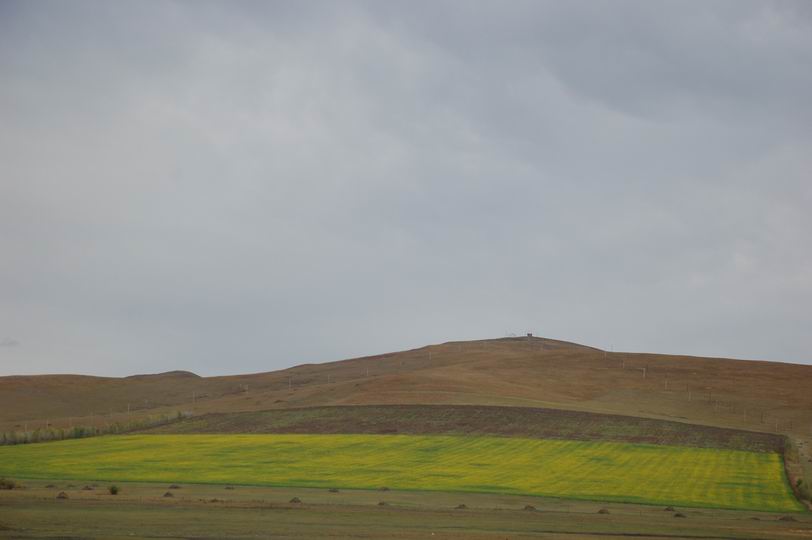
(168, 494)
(296, 500)
(603, 511)
(679, 515)
(669, 509)
(62, 495)
(174, 486)
(787, 518)
(530, 508)
(333, 490)
(461, 507)
(381, 503)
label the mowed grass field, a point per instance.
(610, 471)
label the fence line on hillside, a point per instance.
(82, 431)
(753, 417)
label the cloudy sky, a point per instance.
(234, 187)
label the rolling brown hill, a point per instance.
(527, 372)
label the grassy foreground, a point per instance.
(573, 469)
(210, 511)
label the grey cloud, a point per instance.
(310, 181)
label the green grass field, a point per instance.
(572, 469)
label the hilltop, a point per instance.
(520, 372)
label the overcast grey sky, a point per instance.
(239, 186)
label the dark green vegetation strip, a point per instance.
(477, 420)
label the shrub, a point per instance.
(113, 490)
(8, 483)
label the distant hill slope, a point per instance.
(524, 372)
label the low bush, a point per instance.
(8, 483)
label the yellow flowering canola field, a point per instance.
(573, 469)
